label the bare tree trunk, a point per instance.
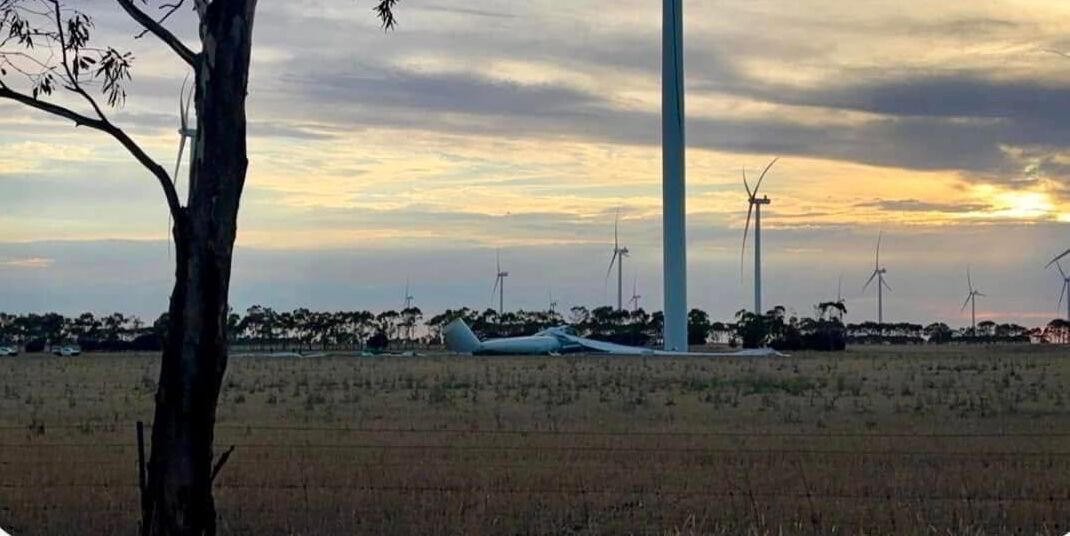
(180, 498)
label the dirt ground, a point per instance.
(884, 440)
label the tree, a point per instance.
(46, 48)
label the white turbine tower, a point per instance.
(184, 132)
(499, 285)
(878, 273)
(619, 252)
(971, 300)
(634, 301)
(1065, 291)
(674, 239)
(755, 207)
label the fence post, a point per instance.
(141, 476)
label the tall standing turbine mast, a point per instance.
(971, 300)
(754, 205)
(619, 252)
(878, 273)
(499, 284)
(674, 240)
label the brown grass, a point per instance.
(875, 441)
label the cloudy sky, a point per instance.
(524, 126)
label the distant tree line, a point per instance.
(263, 328)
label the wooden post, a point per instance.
(141, 475)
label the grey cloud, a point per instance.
(915, 205)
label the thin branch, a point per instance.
(171, 9)
(107, 127)
(158, 30)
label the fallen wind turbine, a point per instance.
(499, 284)
(754, 206)
(878, 274)
(619, 252)
(971, 300)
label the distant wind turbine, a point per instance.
(408, 296)
(499, 284)
(754, 205)
(553, 302)
(971, 300)
(634, 301)
(878, 273)
(619, 252)
(185, 100)
(408, 305)
(1065, 291)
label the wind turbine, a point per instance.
(499, 285)
(408, 305)
(185, 100)
(755, 207)
(673, 185)
(971, 300)
(408, 296)
(634, 301)
(553, 302)
(619, 253)
(878, 273)
(1065, 291)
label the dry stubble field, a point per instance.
(961, 440)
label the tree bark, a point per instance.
(180, 500)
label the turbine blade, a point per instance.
(879, 236)
(612, 260)
(868, 281)
(762, 176)
(1062, 293)
(498, 262)
(750, 195)
(494, 290)
(967, 302)
(839, 289)
(1056, 259)
(616, 225)
(969, 280)
(886, 285)
(743, 248)
(1061, 272)
(178, 162)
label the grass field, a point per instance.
(964, 440)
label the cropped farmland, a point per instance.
(889, 440)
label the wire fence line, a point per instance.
(579, 491)
(579, 448)
(586, 433)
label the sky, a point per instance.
(524, 127)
